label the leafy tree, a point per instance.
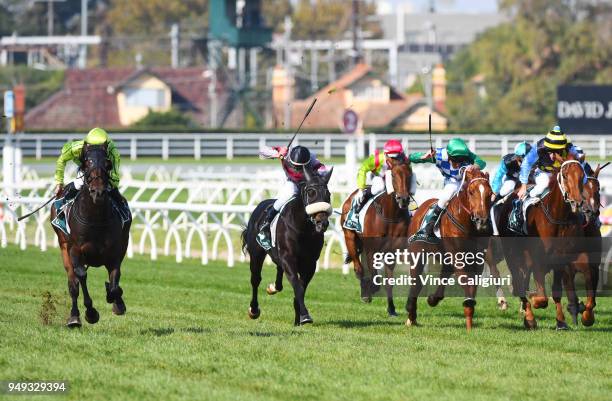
(545, 43)
(168, 119)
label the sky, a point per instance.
(453, 6)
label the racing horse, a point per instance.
(389, 219)
(97, 236)
(553, 226)
(590, 209)
(301, 225)
(465, 218)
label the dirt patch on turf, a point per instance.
(48, 309)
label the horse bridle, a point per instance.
(318, 187)
(86, 171)
(561, 182)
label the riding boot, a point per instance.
(426, 232)
(264, 238)
(121, 204)
(352, 220)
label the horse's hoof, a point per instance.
(469, 303)
(92, 316)
(74, 322)
(109, 297)
(305, 319)
(530, 324)
(432, 300)
(271, 289)
(254, 314)
(366, 300)
(392, 313)
(587, 319)
(502, 305)
(119, 308)
(581, 307)
(411, 323)
(561, 326)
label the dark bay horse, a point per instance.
(299, 240)
(466, 217)
(97, 236)
(554, 229)
(388, 218)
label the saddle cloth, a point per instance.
(364, 210)
(517, 222)
(64, 207)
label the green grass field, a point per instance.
(186, 335)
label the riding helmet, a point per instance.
(96, 136)
(299, 156)
(457, 149)
(555, 139)
(521, 149)
(393, 148)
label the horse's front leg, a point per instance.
(539, 300)
(73, 288)
(114, 293)
(469, 290)
(91, 314)
(290, 267)
(557, 293)
(591, 276)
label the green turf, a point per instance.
(186, 335)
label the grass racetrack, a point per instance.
(186, 335)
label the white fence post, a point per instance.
(165, 147)
(327, 147)
(229, 147)
(504, 146)
(197, 148)
(372, 141)
(360, 147)
(473, 144)
(38, 148)
(602, 148)
(262, 142)
(133, 148)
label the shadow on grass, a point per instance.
(349, 324)
(159, 332)
(197, 330)
(272, 334)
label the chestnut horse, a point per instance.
(387, 218)
(466, 217)
(590, 209)
(556, 222)
(97, 236)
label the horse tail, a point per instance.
(243, 239)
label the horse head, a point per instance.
(478, 193)
(401, 175)
(317, 198)
(95, 167)
(571, 183)
(591, 192)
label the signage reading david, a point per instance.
(585, 109)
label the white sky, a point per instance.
(442, 6)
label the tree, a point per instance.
(167, 119)
(545, 43)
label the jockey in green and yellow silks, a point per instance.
(378, 165)
(72, 151)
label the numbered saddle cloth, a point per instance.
(62, 208)
(260, 240)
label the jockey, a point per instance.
(72, 152)
(449, 161)
(378, 164)
(585, 164)
(547, 155)
(293, 163)
(508, 171)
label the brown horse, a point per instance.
(97, 236)
(388, 219)
(590, 209)
(556, 223)
(466, 217)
